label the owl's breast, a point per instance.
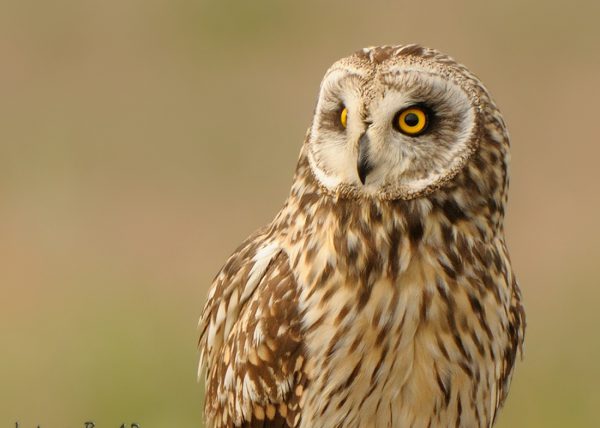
(397, 350)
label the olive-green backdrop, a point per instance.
(142, 140)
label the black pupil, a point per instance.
(411, 119)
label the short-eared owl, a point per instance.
(382, 293)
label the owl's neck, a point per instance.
(367, 238)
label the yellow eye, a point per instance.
(412, 121)
(344, 117)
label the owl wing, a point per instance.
(516, 335)
(514, 323)
(251, 340)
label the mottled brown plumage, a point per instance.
(388, 303)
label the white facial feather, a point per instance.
(402, 165)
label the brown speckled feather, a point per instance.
(257, 377)
(381, 299)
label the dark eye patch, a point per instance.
(331, 119)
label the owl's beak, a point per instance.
(362, 165)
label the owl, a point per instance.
(382, 293)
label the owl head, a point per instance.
(400, 122)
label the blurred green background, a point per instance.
(142, 140)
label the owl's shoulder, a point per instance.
(251, 338)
